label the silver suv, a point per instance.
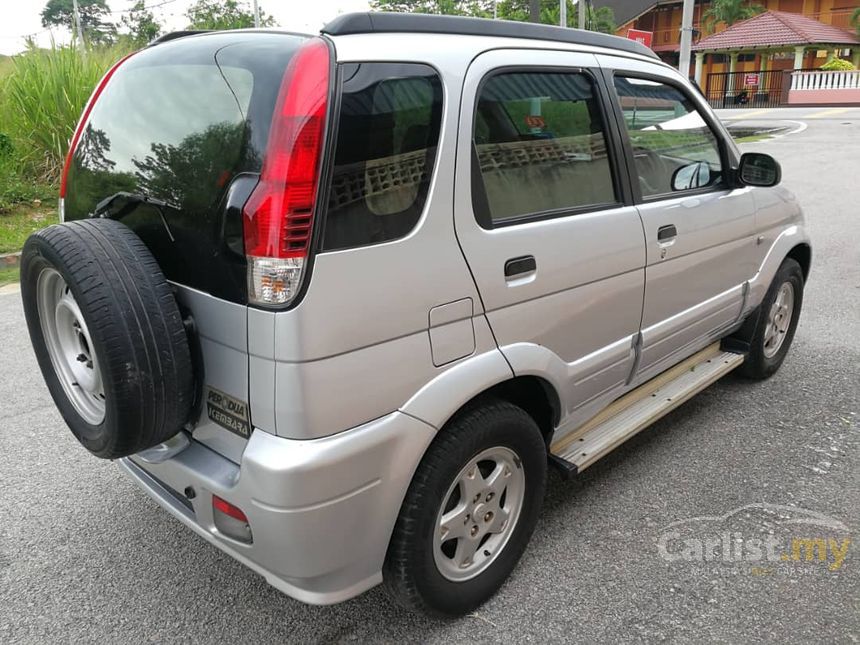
(336, 302)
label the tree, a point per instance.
(855, 21)
(602, 19)
(60, 13)
(226, 14)
(141, 24)
(729, 12)
(476, 8)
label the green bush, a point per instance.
(41, 98)
(837, 65)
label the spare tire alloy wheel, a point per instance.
(70, 346)
(108, 335)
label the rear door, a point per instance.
(541, 212)
(184, 124)
(699, 232)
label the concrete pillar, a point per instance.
(700, 65)
(855, 59)
(733, 66)
(798, 57)
(764, 60)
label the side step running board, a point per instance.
(641, 407)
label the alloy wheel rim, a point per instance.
(70, 346)
(478, 514)
(779, 319)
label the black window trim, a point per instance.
(618, 171)
(333, 126)
(726, 159)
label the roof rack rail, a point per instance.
(387, 22)
(173, 35)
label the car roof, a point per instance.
(385, 22)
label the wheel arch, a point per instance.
(802, 254)
(485, 376)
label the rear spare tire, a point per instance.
(108, 335)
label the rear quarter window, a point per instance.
(387, 136)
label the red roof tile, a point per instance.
(775, 28)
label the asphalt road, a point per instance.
(85, 556)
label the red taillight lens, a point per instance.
(83, 121)
(228, 509)
(279, 213)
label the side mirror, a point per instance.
(759, 169)
(694, 175)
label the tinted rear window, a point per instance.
(387, 135)
(178, 123)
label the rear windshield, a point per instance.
(179, 123)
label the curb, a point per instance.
(10, 260)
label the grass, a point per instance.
(8, 275)
(42, 97)
(42, 94)
(17, 225)
(750, 138)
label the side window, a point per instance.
(673, 147)
(387, 134)
(539, 146)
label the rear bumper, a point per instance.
(321, 511)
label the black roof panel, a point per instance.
(384, 22)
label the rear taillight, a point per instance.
(82, 123)
(231, 520)
(278, 217)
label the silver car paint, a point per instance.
(391, 340)
(321, 511)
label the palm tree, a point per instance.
(855, 21)
(729, 12)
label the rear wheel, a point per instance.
(776, 323)
(469, 512)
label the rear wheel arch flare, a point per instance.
(533, 394)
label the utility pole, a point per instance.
(256, 15)
(562, 13)
(686, 38)
(534, 10)
(77, 16)
(582, 9)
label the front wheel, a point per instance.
(469, 511)
(776, 323)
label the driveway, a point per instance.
(86, 557)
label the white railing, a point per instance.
(825, 80)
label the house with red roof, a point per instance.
(792, 34)
(775, 39)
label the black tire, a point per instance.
(757, 364)
(133, 320)
(410, 573)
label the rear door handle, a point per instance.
(516, 267)
(666, 233)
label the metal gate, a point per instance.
(748, 89)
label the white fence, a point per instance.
(825, 80)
